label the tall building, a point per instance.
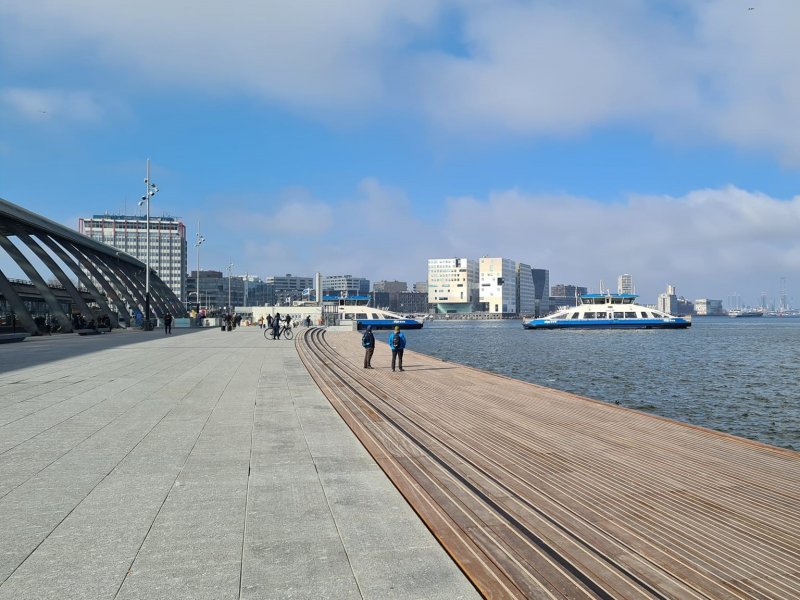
(335, 285)
(392, 287)
(541, 283)
(421, 287)
(526, 290)
(453, 284)
(668, 302)
(625, 284)
(129, 234)
(498, 285)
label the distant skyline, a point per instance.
(660, 139)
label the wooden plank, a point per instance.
(540, 493)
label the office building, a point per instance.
(288, 288)
(453, 285)
(565, 294)
(541, 284)
(708, 308)
(392, 287)
(625, 284)
(526, 291)
(421, 287)
(338, 285)
(129, 234)
(498, 285)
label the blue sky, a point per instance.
(660, 139)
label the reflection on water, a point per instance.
(734, 375)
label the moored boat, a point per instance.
(608, 311)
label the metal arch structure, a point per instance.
(112, 282)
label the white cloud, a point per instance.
(709, 70)
(707, 243)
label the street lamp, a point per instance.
(230, 271)
(199, 239)
(149, 192)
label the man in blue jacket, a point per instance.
(397, 342)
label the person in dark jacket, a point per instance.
(168, 323)
(368, 341)
(397, 342)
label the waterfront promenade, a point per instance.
(538, 493)
(206, 464)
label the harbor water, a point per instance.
(739, 376)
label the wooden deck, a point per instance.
(538, 493)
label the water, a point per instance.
(733, 375)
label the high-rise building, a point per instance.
(625, 284)
(129, 234)
(541, 283)
(526, 291)
(336, 285)
(498, 285)
(453, 284)
(668, 302)
(421, 287)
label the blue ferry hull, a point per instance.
(389, 323)
(608, 324)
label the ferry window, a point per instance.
(361, 315)
(374, 316)
(574, 316)
(588, 315)
(601, 315)
(348, 315)
(619, 315)
(630, 315)
(644, 314)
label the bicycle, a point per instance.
(284, 331)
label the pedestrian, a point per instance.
(168, 324)
(397, 342)
(368, 341)
(288, 321)
(269, 321)
(276, 326)
(308, 320)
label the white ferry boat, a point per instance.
(608, 311)
(354, 308)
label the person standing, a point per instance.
(368, 341)
(276, 326)
(168, 324)
(397, 342)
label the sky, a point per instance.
(651, 137)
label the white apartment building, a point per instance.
(498, 284)
(453, 284)
(668, 302)
(129, 234)
(625, 284)
(526, 291)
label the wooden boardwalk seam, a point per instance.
(538, 493)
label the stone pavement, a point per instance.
(206, 464)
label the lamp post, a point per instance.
(230, 271)
(149, 191)
(199, 239)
